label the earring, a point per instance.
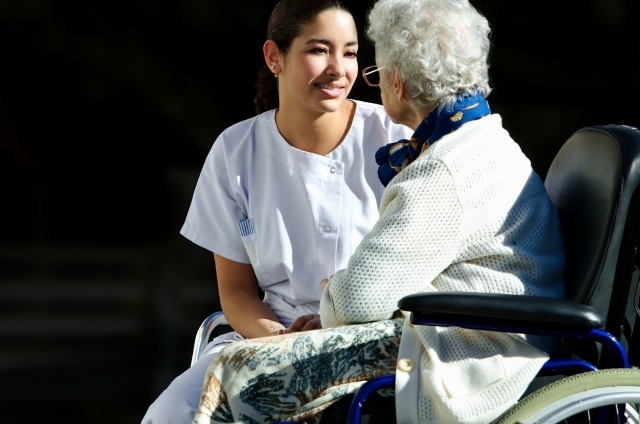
(273, 66)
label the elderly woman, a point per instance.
(462, 211)
(465, 212)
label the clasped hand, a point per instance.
(305, 322)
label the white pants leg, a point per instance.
(179, 402)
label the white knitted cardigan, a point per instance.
(469, 214)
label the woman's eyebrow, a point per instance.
(328, 43)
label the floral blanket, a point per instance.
(296, 376)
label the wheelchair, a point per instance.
(594, 182)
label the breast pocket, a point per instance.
(250, 240)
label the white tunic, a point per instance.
(301, 215)
(468, 215)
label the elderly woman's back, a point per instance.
(468, 215)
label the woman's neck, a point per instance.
(315, 132)
(419, 113)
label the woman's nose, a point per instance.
(336, 66)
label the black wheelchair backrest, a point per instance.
(593, 181)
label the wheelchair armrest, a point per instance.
(503, 309)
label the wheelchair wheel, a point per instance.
(579, 399)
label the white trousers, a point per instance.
(179, 402)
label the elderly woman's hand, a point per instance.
(304, 323)
(323, 283)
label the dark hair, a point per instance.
(285, 24)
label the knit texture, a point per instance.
(469, 214)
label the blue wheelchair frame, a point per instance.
(561, 366)
(551, 367)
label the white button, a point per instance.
(327, 229)
(333, 170)
(405, 365)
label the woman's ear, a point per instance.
(399, 86)
(272, 56)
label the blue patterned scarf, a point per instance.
(394, 157)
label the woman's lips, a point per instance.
(330, 90)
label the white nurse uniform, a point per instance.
(295, 216)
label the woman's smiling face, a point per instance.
(321, 65)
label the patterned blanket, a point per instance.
(296, 376)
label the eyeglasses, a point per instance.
(371, 75)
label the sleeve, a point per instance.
(417, 236)
(212, 220)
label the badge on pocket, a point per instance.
(248, 234)
(250, 240)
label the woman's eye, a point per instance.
(318, 50)
(351, 54)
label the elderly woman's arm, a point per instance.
(415, 239)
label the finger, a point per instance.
(312, 324)
(295, 327)
(323, 283)
(300, 322)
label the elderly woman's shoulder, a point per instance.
(474, 143)
(477, 152)
(481, 133)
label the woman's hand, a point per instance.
(304, 323)
(323, 283)
(238, 289)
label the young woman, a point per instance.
(284, 198)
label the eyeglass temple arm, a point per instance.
(375, 70)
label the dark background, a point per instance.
(107, 111)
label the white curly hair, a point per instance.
(439, 47)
